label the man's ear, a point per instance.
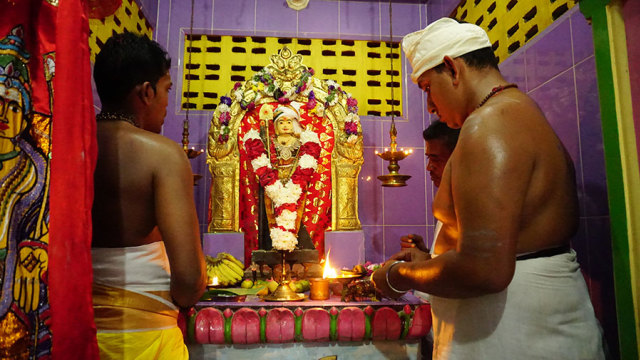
(452, 68)
(146, 92)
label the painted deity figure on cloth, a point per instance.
(24, 213)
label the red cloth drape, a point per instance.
(74, 151)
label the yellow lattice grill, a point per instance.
(511, 23)
(361, 67)
(128, 17)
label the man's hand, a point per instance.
(379, 277)
(413, 241)
(410, 255)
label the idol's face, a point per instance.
(284, 125)
(11, 116)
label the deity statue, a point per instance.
(281, 112)
(285, 140)
(24, 220)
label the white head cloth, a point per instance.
(426, 48)
(287, 111)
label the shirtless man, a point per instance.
(439, 142)
(505, 284)
(146, 242)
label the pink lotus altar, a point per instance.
(258, 322)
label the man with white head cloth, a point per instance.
(505, 283)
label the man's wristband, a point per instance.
(387, 277)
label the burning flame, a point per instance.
(329, 272)
(214, 281)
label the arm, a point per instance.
(490, 173)
(178, 224)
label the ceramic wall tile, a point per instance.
(319, 18)
(549, 56)
(582, 37)
(276, 15)
(595, 199)
(359, 18)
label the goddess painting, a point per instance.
(24, 236)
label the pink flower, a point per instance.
(351, 128)
(225, 117)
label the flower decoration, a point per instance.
(351, 127)
(332, 93)
(225, 116)
(352, 105)
(286, 195)
(311, 102)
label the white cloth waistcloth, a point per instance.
(545, 313)
(136, 268)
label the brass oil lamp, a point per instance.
(392, 155)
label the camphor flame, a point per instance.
(214, 281)
(329, 272)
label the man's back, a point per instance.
(510, 163)
(124, 210)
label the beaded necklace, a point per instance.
(111, 116)
(494, 91)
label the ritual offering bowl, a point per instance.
(342, 280)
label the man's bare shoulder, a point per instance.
(157, 146)
(513, 117)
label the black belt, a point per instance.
(544, 253)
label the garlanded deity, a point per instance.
(24, 213)
(284, 172)
(284, 124)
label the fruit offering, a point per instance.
(226, 268)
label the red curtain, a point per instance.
(74, 151)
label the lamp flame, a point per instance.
(214, 281)
(329, 272)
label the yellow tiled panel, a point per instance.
(128, 17)
(526, 14)
(338, 67)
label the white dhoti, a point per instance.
(545, 313)
(134, 315)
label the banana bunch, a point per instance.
(226, 268)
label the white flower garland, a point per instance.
(282, 235)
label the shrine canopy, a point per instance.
(329, 199)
